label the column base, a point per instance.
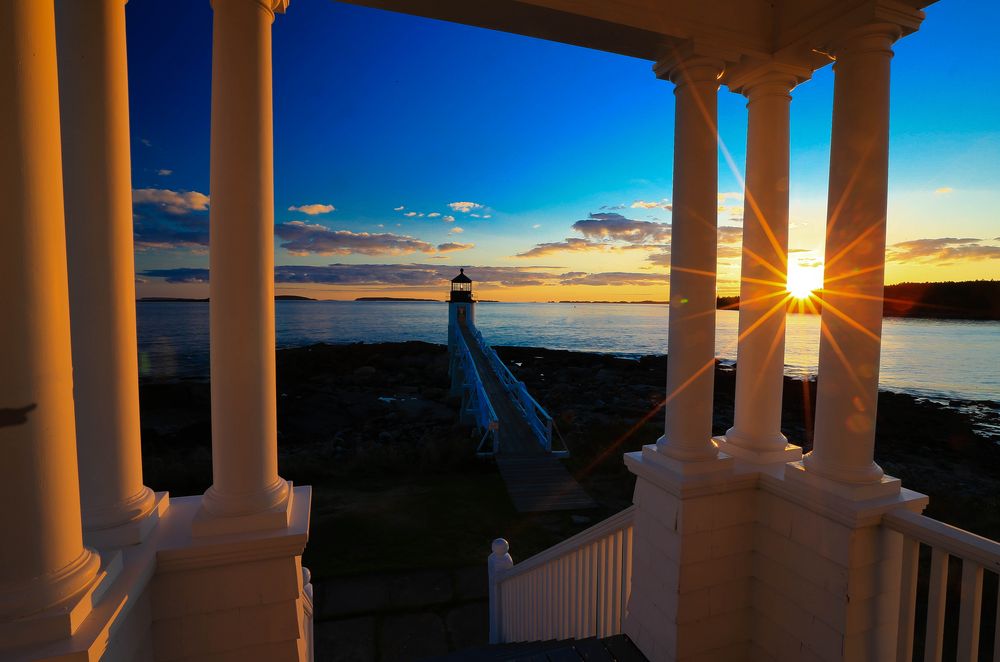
(887, 486)
(132, 532)
(759, 458)
(207, 523)
(721, 462)
(62, 621)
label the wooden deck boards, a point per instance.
(536, 481)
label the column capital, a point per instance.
(873, 37)
(764, 78)
(693, 62)
(271, 6)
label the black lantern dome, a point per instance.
(461, 287)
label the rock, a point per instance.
(346, 640)
(471, 583)
(420, 589)
(469, 625)
(365, 372)
(351, 595)
(412, 637)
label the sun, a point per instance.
(803, 280)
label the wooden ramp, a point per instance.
(541, 483)
(536, 481)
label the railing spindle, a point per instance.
(968, 615)
(938, 589)
(907, 599)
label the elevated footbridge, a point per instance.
(513, 427)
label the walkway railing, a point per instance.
(977, 556)
(537, 418)
(475, 401)
(578, 588)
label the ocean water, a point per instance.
(941, 359)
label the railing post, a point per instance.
(498, 561)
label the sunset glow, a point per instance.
(802, 281)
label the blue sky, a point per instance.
(376, 111)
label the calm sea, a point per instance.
(942, 359)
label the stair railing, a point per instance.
(576, 589)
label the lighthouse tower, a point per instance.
(461, 308)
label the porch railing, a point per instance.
(977, 556)
(537, 418)
(578, 588)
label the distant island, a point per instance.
(394, 299)
(278, 297)
(967, 300)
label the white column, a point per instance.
(93, 80)
(693, 252)
(241, 257)
(756, 432)
(42, 558)
(847, 389)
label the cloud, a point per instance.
(422, 275)
(729, 234)
(300, 238)
(313, 209)
(164, 172)
(178, 275)
(451, 246)
(146, 142)
(944, 190)
(614, 278)
(464, 207)
(661, 259)
(942, 251)
(399, 208)
(456, 230)
(433, 214)
(572, 244)
(172, 202)
(410, 214)
(536, 226)
(615, 226)
(643, 204)
(729, 195)
(448, 219)
(168, 232)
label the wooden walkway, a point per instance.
(536, 481)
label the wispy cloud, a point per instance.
(452, 246)
(571, 244)
(456, 230)
(464, 207)
(605, 225)
(313, 209)
(647, 204)
(433, 214)
(410, 214)
(399, 208)
(300, 238)
(172, 202)
(423, 275)
(943, 190)
(164, 172)
(942, 251)
(448, 219)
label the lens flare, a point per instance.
(802, 281)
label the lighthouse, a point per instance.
(461, 312)
(461, 307)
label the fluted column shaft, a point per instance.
(847, 389)
(241, 257)
(93, 87)
(760, 349)
(42, 558)
(693, 252)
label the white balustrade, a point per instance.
(475, 401)
(576, 589)
(978, 556)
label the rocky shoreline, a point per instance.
(374, 417)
